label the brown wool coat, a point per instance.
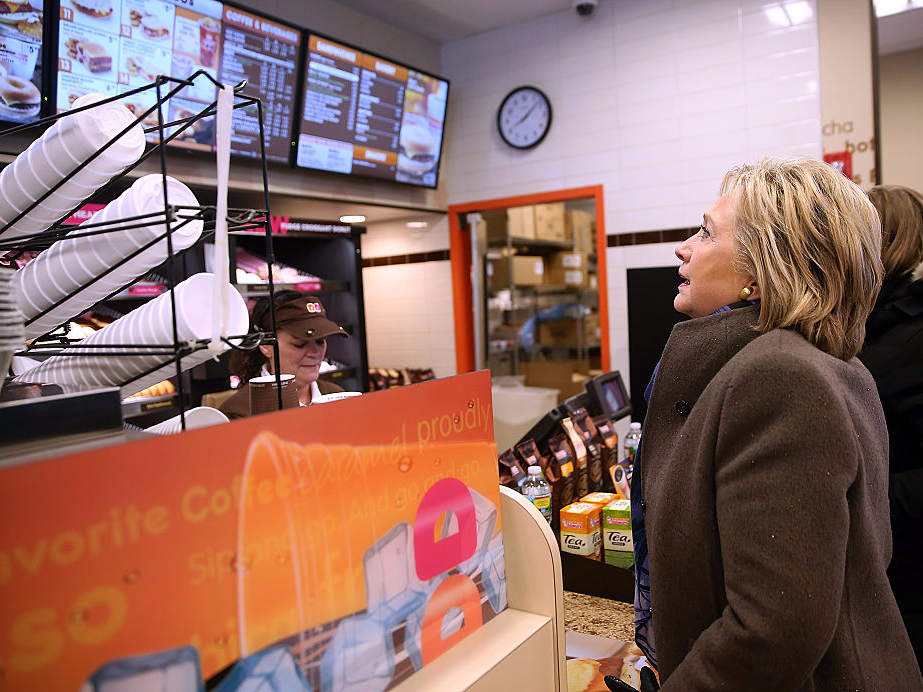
(238, 405)
(765, 479)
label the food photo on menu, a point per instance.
(421, 129)
(21, 27)
(86, 51)
(116, 46)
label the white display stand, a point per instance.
(523, 647)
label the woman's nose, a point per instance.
(682, 250)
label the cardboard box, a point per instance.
(515, 222)
(581, 228)
(592, 329)
(562, 332)
(567, 376)
(528, 270)
(566, 331)
(619, 558)
(580, 530)
(568, 269)
(520, 222)
(616, 526)
(549, 222)
(602, 499)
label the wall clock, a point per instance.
(524, 117)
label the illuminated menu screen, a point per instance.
(21, 27)
(366, 115)
(114, 46)
(265, 53)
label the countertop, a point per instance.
(599, 616)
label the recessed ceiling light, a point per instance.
(352, 218)
(417, 224)
(883, 8)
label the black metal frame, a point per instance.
(238, 219)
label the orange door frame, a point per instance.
(460, 256)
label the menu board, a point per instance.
(21, 27)
(265, 53)
(114, 46)
(369, 116)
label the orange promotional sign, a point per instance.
(334, 547)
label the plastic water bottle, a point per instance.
(632, 441)
(536, 488)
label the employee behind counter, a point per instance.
(302, 329)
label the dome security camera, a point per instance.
(585, 8)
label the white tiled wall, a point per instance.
(408, 307)
(408, 316)
(653, 99)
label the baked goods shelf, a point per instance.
(137, 406)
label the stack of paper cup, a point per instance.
(199, 417)
(264, 395)
(150, 326)
(74, 262)
(12, 335)
(64, 149)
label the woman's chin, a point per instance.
(306, 376)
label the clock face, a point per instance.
(524, 117)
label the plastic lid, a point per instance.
(635, 425)
(100, 124)
(535, 470)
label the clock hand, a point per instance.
(528, 113)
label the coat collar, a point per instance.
(695, 352)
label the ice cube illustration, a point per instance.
(272, 670)
(393, 590)
(174, 669)
(360, 657)
(486, 515)
(389, 566)
(493, 574)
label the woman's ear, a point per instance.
(266, 351)
(750, 292)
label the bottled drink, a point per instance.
(632, 440)
(536, 488)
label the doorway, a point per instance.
(471, 275)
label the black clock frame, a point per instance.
(544, 96)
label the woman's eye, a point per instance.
(320, 342)
(704, 232)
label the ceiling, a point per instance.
(444, 21)
(450, 20)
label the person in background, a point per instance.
(764, 468)
(302, 331)
(893, 353)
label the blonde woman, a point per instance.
(764, 462)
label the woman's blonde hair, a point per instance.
(812, 240)
(901, 213)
